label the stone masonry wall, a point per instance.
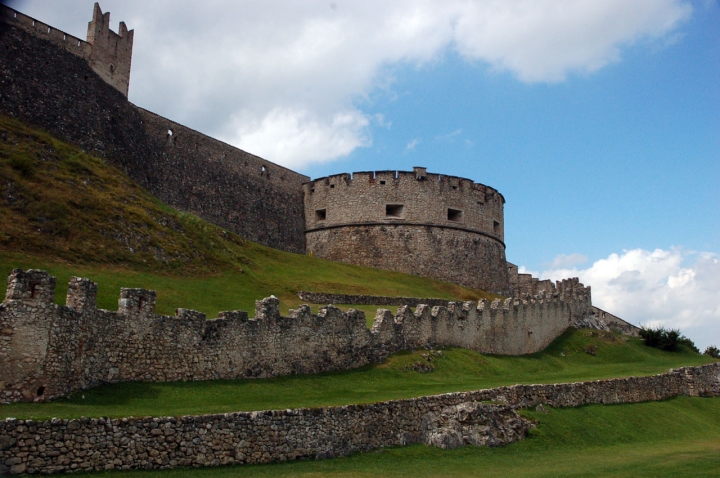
(325, 298)
(87, 444)
(57, 90)
(431, 225)
(108, 53)
(47, 350)
(615, 322)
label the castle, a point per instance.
(432, 225)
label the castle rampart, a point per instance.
(444, 227)
(47, 350)
(108, 53)
(57, 90)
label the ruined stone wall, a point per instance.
(48, 350)
(58, 91)
(431, 225)
(616, 323)
(87, 444)
(353, 299)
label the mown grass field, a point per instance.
(455, 370)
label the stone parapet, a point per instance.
(47, 350)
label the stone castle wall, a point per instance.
(109, 54)
(47, 350)
(353, 299)
(57, 90)
(443, 227)
(86, 444)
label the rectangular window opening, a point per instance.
(320, 214)
(394, 210)
(496, 227)
(455, 215)
(382, 182)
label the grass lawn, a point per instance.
(673, 438)
(455, 370)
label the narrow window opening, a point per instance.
(34, 289)
(64, 37)
(141, 303)
(263, 170)
(40, 391)
(33, 23)
(332, 186)
(15, 15)
(312, 190)
(49, 29)
(394, 210)
(454, 187)
(454, 215)
(320, 214)
(382, 182)
(79, 45)
(112, 68)
(496, 227)
(480, 207)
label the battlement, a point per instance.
(445, 227)
(111, 53)
(49, 350)
(108, 53)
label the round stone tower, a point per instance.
(431, 225)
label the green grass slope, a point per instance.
(454, 370)
(72, 214)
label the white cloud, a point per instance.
(671, 288)
(253, 72)
(411, 145)
(449, 137)
(563, 261)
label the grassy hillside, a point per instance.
(454, 370)
(72, 214)
(674, 438)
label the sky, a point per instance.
(598, 120)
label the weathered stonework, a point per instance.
(431, 225)
(86, 444)
(47, 350)
(352, 299)
(45, 82)
(109, 54)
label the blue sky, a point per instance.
(599, 121)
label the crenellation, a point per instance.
(137, 303)
(387, 217)
(82, 294)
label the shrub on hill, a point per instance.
(666, 339)
(712, 351)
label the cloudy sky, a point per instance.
(599, 121)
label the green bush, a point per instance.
(712, 351)
(666, 339)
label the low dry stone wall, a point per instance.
(352, 299)
(87, 444)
